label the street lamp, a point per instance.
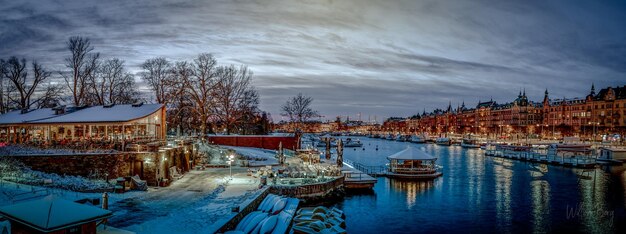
(230, 165)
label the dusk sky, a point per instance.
(384, 58)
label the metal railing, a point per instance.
(370, 170)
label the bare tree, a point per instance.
(298, 109)
(15, 71)
(50, 97)
(233, 95)
(199, 79)
(82, 64)
(3, 105)
(158, 74)
(110, 84)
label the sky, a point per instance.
(376, 58)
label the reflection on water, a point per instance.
(412, 189)
(541, 205)
(478, 193)
(503, 176)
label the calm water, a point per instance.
(484, 194)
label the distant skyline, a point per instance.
(377, 58)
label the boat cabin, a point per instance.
(612, 154)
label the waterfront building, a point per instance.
(598, 114)
(136, 122)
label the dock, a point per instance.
(356, 179)
(566, 161)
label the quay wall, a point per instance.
(265, 142)
(150, 166)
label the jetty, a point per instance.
(356, 179)
(579, 156)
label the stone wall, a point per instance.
(80, 164)
(150, 166)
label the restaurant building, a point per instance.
(60, 125)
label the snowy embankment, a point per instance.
(16, 150)
(256, 156)
(13, 171)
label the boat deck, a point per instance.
(414, 176)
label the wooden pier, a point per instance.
(357, 179)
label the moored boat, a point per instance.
(350, 143)
(400, 137)
(612, 155)
(412, 163)
(417, 139)
(470, 143)
(443, 141)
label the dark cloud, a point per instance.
(379, 58)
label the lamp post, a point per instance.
(230, 165)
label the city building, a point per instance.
(598, 114)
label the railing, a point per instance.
(307, 190)
(370, 170)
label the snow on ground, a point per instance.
(197, 203)
(262, 156)
(192, 204)
(18, 173)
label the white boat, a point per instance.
(470, 143)
(614, 155)
(352, 143)
(417, 139)
(443, 141)
(400, 137)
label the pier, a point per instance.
(354, 178)
(570, 158)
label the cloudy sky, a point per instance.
(383, 58)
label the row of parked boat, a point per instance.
(319, 220)
(423, 138)
(273, 215)
(349, 143)
(276, 213)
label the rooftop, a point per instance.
(94, 114)
(412, 153)
(52, 213)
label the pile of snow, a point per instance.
(256, 156)
(15, 172)
(19, 150)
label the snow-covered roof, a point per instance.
(411, 153)
(52, 213)
(16, 116)
(94, 114)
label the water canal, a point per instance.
(486, 194)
